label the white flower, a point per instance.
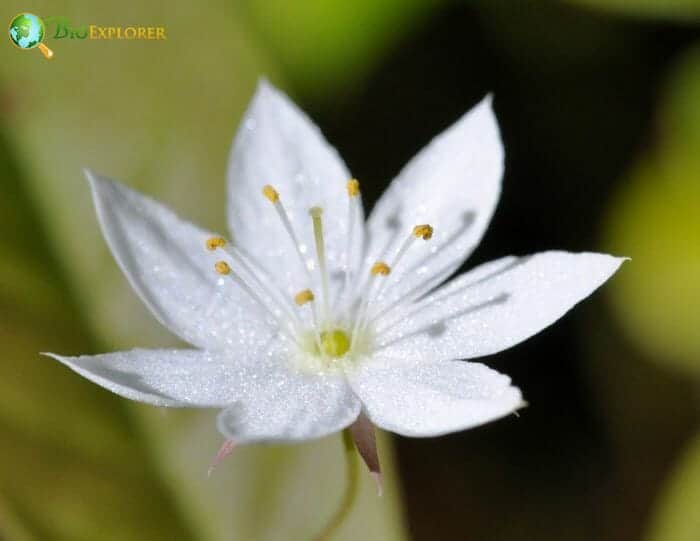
(306, 321)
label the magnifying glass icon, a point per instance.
(27, 32)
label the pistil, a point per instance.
(315, 213)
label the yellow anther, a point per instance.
(424, 231)
(303, 297)
(353, 187)
(380, 268)
(222, 267)
(269, 192)
(315, 212)
(215, 242)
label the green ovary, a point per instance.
(335, 343)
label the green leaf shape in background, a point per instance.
(71, 455)
(325, 46)
(159, 116)
(655, 220)
(676, 517)
(680, 10)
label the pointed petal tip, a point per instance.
(263, 83)
(265, 89)
(484, 105)
(92, 178)
(95, 180)
(607, 262)
(51, 355)
(54, 356)
(522, 405)
(266, 97)
(483, 117)
(620, 260)
(615, 261)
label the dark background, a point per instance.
(575, 95)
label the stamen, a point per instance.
(274, 197)
(307, 296)
(272, 194)
(353, 187)
(424, 231)
(223, 268)
(378, 269)
(254, 272)
(303, 297)
(212, 244)
(215, 242)
(414, 293)
(315, 213)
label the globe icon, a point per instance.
(27, 31)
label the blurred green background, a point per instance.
(599, 103)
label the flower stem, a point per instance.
(351, 465)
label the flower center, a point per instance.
(332, 330)
(335, 343)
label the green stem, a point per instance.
(351, 487)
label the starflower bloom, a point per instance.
(306, 320)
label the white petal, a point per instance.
(165, 260)
(495, 306)
(291, 407)
(266, 399)
(433, 398)
(453, 184)
(172, 377)
(277, 144)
